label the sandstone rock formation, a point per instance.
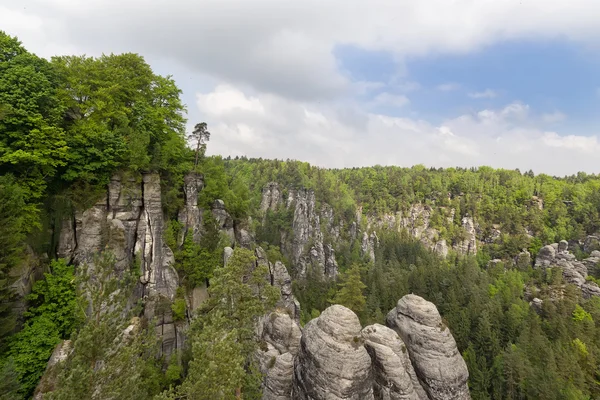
(280, 342)
(305, 245)
(332, 362)
(129, 223)
(431, 347)
(223, 219)
(190, 216)
(393, 375)
(556, 255)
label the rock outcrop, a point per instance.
(271, 197)
(305, 245)
(279, 277)
(129, 223)
(393, 375)
(280, 342)
(431, 347)
(591, 243)
(190, 217)
(223, 220)
(417, 221)
(557, 255)
(332, 362)
(416, 360)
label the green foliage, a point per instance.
(197, 261)
(105, 361)
(10, 388)
(580, 315)
(223, 340)
(178, 308)
(13, 227)
(32, 144)
(53, 315)
(350, 293)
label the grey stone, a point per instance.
(332, 362)
(191, 215)
(391, 377)
(431, 347)
(591, 243)
(227, 253)
(271, 197)
(279, 378)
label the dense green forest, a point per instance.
(68, 124)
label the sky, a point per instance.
(344, 83)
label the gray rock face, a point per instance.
(281, 278)
(391, 365)
(281, 339)
(591, 243)
(574, 271)
(306, 229)
(417, 222)
(227, 253)
(224, 220)
(271, 197)
(128, 221)
(332, 363)
(190, 216)
(368, 245)
(431, 347)
(469, 245)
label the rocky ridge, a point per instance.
(334, 358)
(557, 255)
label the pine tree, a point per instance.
(223, 335)
(350, 293)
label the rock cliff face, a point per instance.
(417, 221)
(432, 349)
(332, 362)
(129, 223)
(190, 216)
(305, 245)
(557, 255)
(335, 359)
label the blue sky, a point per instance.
(505, 83)
(550, 76)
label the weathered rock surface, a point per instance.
(305, 246)
(591, 243)
(223, 219)
(417, 222)
(190, 216)
(391, 365)
(128, 222)
(271, 197)
(369, 244)
(431, 347)
(557, 255)
(332, 363)
(280, 341)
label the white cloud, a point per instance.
(486, 94)
(556, 116)
(388, 99)
(282, 128)
(280, 92)
(448, 87)
(286, 46)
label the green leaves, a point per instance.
(223, 334)
(51, 317)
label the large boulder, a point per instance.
(332, 362)
(431, 347)
(393, 375)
